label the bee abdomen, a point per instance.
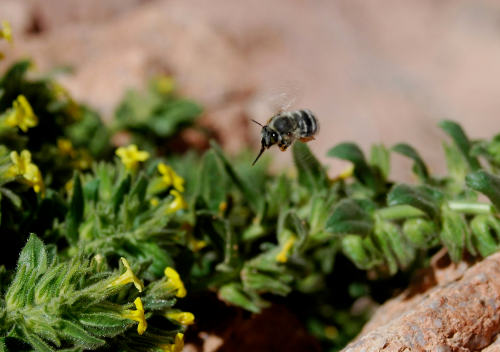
(306, 122)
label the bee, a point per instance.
(286, 127)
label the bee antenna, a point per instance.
(258, 123)
(258, 156)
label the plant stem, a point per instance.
(470, 207)
(399, 212)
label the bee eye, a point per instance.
(274, 135)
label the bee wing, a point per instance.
(284, 98)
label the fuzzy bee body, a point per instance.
(286, 127)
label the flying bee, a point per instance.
(286, 127)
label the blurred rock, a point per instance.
(460, 313)
(371, 72)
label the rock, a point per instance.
(460, 313)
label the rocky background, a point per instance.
(372, 72)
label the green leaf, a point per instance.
(230, 248)
(419, 167)
(169, 117)
(252, 196)
(380, 160)
(484, 229)
(293, 222)
(76, 333)
(120, 193)
(259, 282)
(458, 135)
(349, 217)
(233, 293)
(453, 233)
(37, 343)
(14, 198)
(353, 247)
(421, 233)
(212, 181)
(75, 212)
(311, 173)
(351, 152)
(102, 323)
(423, 198)
(403, 252)
(383, 242)
(139, 188)
(486, 183)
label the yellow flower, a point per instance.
(6, 31)
(282, 256)
(65, 147)
(177, 204)
(170, 178)
(196, 245)
(21, 114)
(137, 315)
(127, 277)
(164, 84)
(84, 160)
(131, 156)
(177, 346)
(154, 201)
(174, 282)
(22, 166)
(344, 174)
(184, 318)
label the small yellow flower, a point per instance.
(174, 282)
(6, 31)
(184, 318)
(137, 315)
(22, 166)
(164, 84)
(344, 174)
(177, 346)
(83, 159)
(177, 204)
(154, 201)
(131, 156)
(222, 207)
(170, 178)
(21, 114)
(196, 245)
(282, 256)
(127, 277)
(65, 147)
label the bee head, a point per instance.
(269, 137)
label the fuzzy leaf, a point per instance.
(349, 217)
(311, 173)
(383, 242)
(120, 193)
(453, 233)
(455, 131)
(233, 293)
(75, 213)
(380, 160)
(423, 198)
(486, 183)
(421, 233)
(484, 228)
(353, 247)
(419, 167)
(76, 333)
(211, 183)
(102, 323)
(252, 196)
(351, 152)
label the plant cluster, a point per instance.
(113, 240)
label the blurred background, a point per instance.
(372, 72)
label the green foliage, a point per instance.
(249, 235)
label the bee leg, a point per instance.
(306, 139)
(282, 147)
